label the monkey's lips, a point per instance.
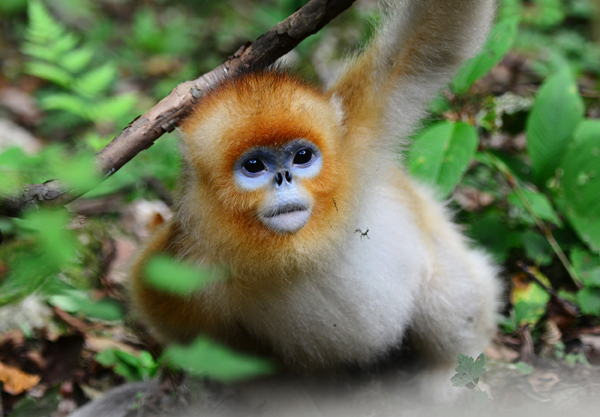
(288, 218)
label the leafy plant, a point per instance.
(205, 357)
(80, 87)
(468, 372)
(132, 368)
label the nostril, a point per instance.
(288, 176)
(279, 178)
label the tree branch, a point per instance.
(165, 116)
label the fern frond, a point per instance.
(49, 72)
(42, 26)
(96, 81)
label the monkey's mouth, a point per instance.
(288, 208)
(286, 218)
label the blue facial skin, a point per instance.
(279, 171)
(276, 161)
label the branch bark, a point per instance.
(165, 116)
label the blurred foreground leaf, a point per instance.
(74, 301)
(208, 358)
(178, 277)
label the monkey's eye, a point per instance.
(303, 156)
(254, 166)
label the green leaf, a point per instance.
(581, 172)
(468, 370)
(589, 301)
(481, 397)
(537, 248)
(96, 81)
(587, 130)
(174, 276)
(126, 365)
(67, 102)
(538, 203)
(76, 60)
(74, 301)
(587, 266)
(58, 243)
(106, 358)
(499, 42)
(586, 228)
(524, 368)
(113, 108)
(440, 155)
(49, 72)
(42, 26)
(530, 300)
(208, 358)
(78, 172)
(557, 111)
(490, 231)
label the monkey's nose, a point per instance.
(279, 177)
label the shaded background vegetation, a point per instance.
(514, 141)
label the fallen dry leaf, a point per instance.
(14, 381)
(543, 382)
(100, 344)
(501, 352)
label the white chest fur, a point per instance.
(360, 305)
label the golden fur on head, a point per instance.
(257, 110)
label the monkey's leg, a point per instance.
(455, 315)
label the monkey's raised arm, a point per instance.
(416, 51)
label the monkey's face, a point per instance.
(265, 152)
(279, 171)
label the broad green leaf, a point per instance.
(28, 271)
(129, 366)
(540, 205)
(497, 45)
(537, 247)
(586, 228)
(515, 164)
(78, 172)
(557, 111)
(587, 266)
(468, 370)
(440, 155)
(58, 243)
(530, 300)
(106, 357)
(208, 358)
(177, 277)
(9, 7)
(587, 130)
(491, 232)
(74, 301)
(589, 301)
(581, 172)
